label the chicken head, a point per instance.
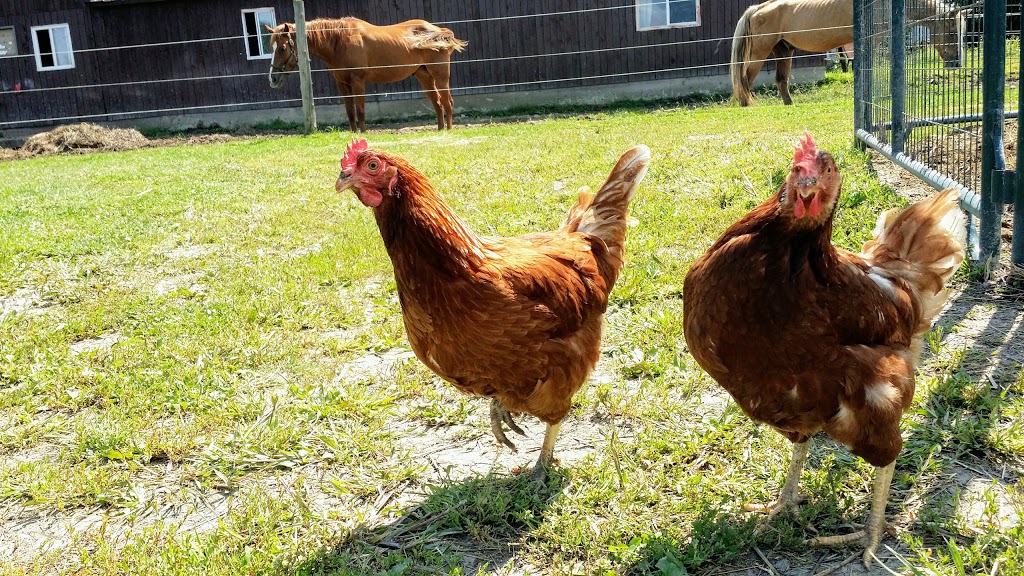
(369, 174)
(813, 184)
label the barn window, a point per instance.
(653, 14)
(52, 45)
(257, 39)
(8, 45)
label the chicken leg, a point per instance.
(871, 535)
(789, 497)
(500, 415)
(547, 453)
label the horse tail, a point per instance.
(740, 56)
(456, 44)
(438, 38)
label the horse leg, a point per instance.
(346, 94)
(759, 52)
(783, 65)
(442, 80)
(430, 91)
(359, 96)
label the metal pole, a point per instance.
(970, 202)
(993, 94)
(864, 56)
(1017, 251)
(305, 75)
(898, 77)
(858, 80)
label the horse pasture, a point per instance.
(203, 370)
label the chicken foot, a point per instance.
(547, 453)
(499, 415)
(789, 497)
(871, 535)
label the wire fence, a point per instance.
(457, 62)
(587, 66)
(928, 110)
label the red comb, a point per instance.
(805, 155)
(355, 148)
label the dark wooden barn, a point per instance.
(66, 61)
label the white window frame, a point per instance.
(639, 27)
(39, 57)
(14, 41)
(259, 32)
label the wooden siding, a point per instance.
(106, 38)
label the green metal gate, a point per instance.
(937, 90)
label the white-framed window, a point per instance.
(257, 39)
(52, 45)
(654, 14)
(8, 43)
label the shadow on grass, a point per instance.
(962, 436)
(716, 538)
(461, 527)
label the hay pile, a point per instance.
(80, 137)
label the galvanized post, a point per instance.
(858, 67)
(898, 74)
(864, 60)
(993, 94)
(1017, 250)
(305, 75)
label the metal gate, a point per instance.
(938, 90)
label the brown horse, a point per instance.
(779, 27)
(357, 52)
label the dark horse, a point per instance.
(357, 52)
(779, 27)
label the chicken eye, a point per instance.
(373, 165)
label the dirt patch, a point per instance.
(99, 344)
(23, 301)
(189, 282)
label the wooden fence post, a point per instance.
(305, 75)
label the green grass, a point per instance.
(245, 296)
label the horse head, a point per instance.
(946, 33)
(286, 56)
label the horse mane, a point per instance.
(324, 30)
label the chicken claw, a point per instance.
(498, 415)
(790, 496)
(773, 509)
(876, 526)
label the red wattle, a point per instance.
(815, 205)
(371, 198)
(798, 208)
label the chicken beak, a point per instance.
(344, 182)
(806, 186)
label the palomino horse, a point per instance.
(357, 52)
(779, 27)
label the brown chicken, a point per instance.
(808, 337)
(517, 320)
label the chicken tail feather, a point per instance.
(604, 213)
(924, 245)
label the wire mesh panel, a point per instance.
(937, 85)
(930, 98)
